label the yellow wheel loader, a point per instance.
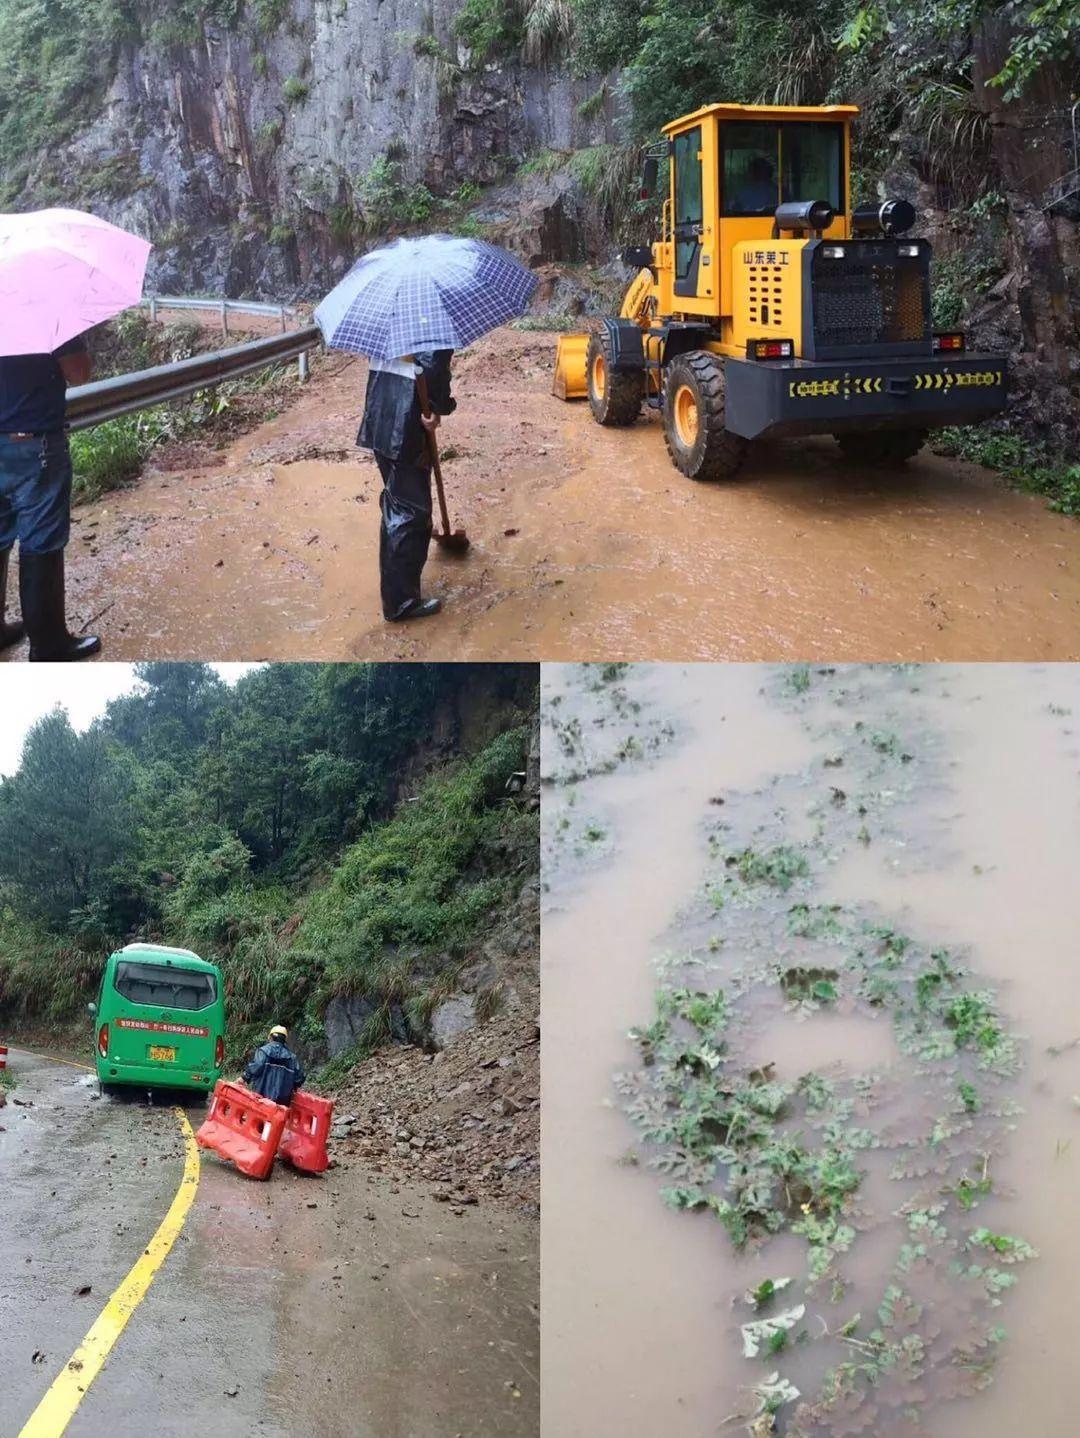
(772, 306)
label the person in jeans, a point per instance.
(275, 1071)
(35, 496)
(396, 430)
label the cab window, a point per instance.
(763, 165)
(749, 180)
(689, 208)
(164, 987)
(812, 163)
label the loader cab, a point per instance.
(731, 167)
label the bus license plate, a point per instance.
(162, 1055)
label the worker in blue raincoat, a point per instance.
(275, 1071)
(395, 428)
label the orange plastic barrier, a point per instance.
(307, 1125)
(244, 1127)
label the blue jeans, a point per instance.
(35, 493)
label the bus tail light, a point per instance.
(219, 1052)
(103, 1041)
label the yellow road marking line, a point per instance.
(57, 1408)
(49, 1058)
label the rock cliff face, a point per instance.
(244, 156)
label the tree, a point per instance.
(65, 819)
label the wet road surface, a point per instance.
(586, 544)
(300, 1308)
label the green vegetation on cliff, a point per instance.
(57, 58)
(281, 828)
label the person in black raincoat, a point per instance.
(275, 1071)
(394, 428)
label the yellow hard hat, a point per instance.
(279, 1029)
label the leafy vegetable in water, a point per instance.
(779, 866)
(1009, 1250)
(764, 1330)
(773, 1392)
(768, 1151)
(766, 1290)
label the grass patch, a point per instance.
(1020, 462)
(544, 162)
(113, 453)
(386, 200)
(546, 324)
(108, 455)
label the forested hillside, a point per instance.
(333, 835)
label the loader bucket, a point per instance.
(571, 376)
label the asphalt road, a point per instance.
(299, 1308)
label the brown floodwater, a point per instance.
(977, 849)
(587, 544)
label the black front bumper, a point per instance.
(790, 397)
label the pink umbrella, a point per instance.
(61, 272)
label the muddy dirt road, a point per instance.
(969, 845)
(341, 1307)
(586, 544)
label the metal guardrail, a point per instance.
(90, 404)
(224, 308)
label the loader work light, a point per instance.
(770, 349)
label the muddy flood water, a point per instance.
(586, 543)
(829, 1186)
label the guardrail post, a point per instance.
(225, 316)
(302, 363)
(284, 326)
(153, 309)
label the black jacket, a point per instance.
(275, 1072)
(391, 424)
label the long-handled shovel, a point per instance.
(456, 541)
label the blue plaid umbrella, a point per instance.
(438, 292)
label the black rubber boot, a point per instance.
(9, 633)
(41, 586)
(416, 609)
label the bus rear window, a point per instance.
(164, 986)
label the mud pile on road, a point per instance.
(465, 1121)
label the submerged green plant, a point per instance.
(779, 867)
(766, 1154)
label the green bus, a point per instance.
(160, 1017)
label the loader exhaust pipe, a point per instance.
(803, 216)
(893, 217)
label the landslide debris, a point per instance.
(465, 1121)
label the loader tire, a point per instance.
(697, 441)
(614, 396)
(886, 447)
